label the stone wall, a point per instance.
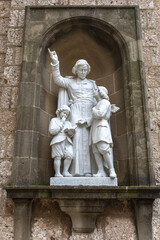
(48, 222)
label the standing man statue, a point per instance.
(80, 92)
(61, 143)
(102, 143)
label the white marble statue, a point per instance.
(101, 137)
(80, 92)
(62, 146)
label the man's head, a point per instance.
(63, 112)
(81, 69)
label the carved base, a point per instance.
(83, 213)
(83, 181)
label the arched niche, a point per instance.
(112, 50)
(96, 42)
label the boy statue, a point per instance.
(101, 137)
(61, 143)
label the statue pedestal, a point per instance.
(83, 181)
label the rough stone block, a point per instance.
(3, 43)
(18, 55)
(82, 2)
(143, 18)
(4, 22)
(5, 8)
(156, 218)
(151, 99)
(17, 18)
(155, 144)
(5, 171)
(157, 98)
(150, 18)
(8, 120)
(12, 75)
(15, 36)
(5, 97)
(149, 37)
(3, 139)
(154, 120)
(48, 2)
(110, 2)
(7, 227)
(153, 76)
(147, 56)
(155, 55)
(148, 4)
(10, 146)
(2, 60)
(14, 97)
(9, 56)
(22, 3)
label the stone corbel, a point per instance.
(83, 213)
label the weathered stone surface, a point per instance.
(15, 36)
(4, 25)
(110, 2)
(5, 171)
(2, 61)
(148, 4)
(5, 97)
(156, 219)
(22, 3)
(5, 8)
(7, 228)
(9, 56)
(154, 120)
(2, 145)
(153, 76)
(3, 44)
(151, 99)
(149, 37)
(80, 2)
(12, 75)
(47, 2)
(7, 122)
(17, 18)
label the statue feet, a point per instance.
(112, 173)
(58, 175)
(100, 174)
(87, 175)
(67, 174)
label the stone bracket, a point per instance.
(83, 213)
(83, 205)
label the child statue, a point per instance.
(61, 143)
(101, 137)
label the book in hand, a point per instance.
(70, 131)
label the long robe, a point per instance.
(80, 93)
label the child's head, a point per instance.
(64, 111)
(103, 92)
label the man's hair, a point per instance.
(79, 63)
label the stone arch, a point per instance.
(123, 78)
(110, 49)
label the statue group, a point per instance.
(82, 124)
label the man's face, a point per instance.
(82, 71)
